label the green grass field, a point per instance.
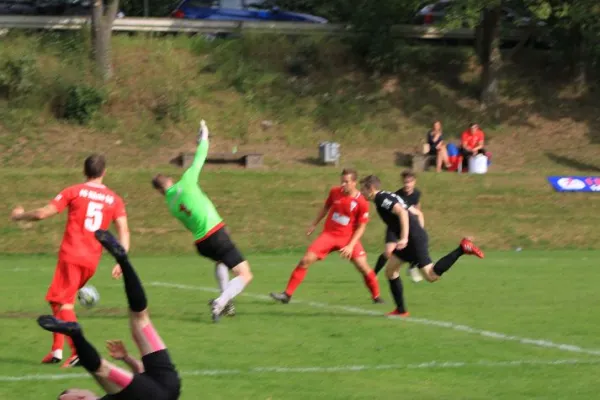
(516, 325)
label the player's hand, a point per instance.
(203, 131)
(402, 244)
(346, 251)
(117, 272)
(116, 349)
(78, 394)
(310, 230)
(16, 212)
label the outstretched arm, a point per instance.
(193, 172)
(19, 214)
(117, 350)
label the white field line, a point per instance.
(341, 368)
(423, 321)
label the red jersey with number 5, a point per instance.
(345, 212)
(91, 207)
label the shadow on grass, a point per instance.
(572, 163)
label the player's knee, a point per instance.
(66, 307)
(243, 270)
(392, 272)
(140, 317)
(429, 274)
(306, 261)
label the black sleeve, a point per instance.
(388, 200)
(417, 196)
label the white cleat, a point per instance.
(415, 275)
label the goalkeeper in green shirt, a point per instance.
(190, 205)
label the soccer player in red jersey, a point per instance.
(91, 206)
(347, 215)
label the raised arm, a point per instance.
(19, 214)
(193, 172)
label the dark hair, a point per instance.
(63, 392)
(94, 166)
(158, 182)
(408, 174)
(472, 124)
(371, 181)
(350, 171)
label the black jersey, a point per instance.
(384, 203)
(410, 199)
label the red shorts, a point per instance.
(326, 243)
(68, 279)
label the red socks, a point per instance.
(295, 280)
(372, 283)
(58, 339)
(68, 315)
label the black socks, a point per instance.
(446, 262)
(397, 293)
(133, 287)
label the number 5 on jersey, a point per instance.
(93, 216)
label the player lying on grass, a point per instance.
(190, 205)
(412, 198)
(154, 377)
(347, 216)
(413, 246)
(91, 206)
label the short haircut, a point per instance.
(371, 181)
(159, 181)
(350, 171)
(408, 174)
(472, 124)
(94, 166)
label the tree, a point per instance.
(103, 16)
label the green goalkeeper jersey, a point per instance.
(189, 204)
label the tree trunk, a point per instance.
(102, 23)
(491, 58)
(579, 57)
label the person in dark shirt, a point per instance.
(412, 198)
(413, 243)
(155, 377)
(437, 146)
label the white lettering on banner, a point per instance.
(340, 219)
(571, 183)
(595, 188)
(90, 194)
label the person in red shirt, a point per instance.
(347, 214)
(91, 206)
(471, 143)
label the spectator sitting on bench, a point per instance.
(471, 144)
(437, 146)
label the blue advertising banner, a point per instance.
(575, 183)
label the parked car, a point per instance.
(239, 10)
(434, 13)
(48, 7)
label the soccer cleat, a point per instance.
(51, 359)
(378, 300)
(215, 312)
(111, 244)
(71, 362)
(282, 297)
(397, 313)
(469, 248)
(229, 309)
(415, 275)
(53, 324)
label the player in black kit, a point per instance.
(412, 199)
(154, 377)
(413, 243)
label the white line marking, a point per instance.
(341, 368)
(422, 321)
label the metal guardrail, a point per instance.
(172, 25)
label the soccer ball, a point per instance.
(88, 296)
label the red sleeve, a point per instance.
(464, 140)
(63, 199)
(363, 211)
(330, 198)
(119, 209)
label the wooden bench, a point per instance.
(248, 160)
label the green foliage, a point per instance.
(18, 76)
(171, 105)
(79, 103)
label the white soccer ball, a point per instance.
(88, 296)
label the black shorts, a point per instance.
(391, 236)
(160, 380)
(219, 248)
(416, 251)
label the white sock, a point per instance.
(58, 353)
(222, 275)
(235, 287)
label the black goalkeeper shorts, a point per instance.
(219, 248)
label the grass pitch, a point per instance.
(516, 325)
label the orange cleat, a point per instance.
(469, 248)
(397, 313)
(71, 362)
(51, 359)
